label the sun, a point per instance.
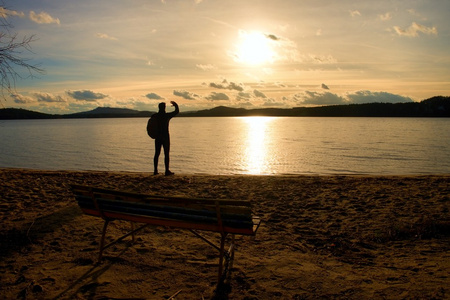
(255, 48)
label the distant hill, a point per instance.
(99, 112)
(219, 111)
(18, 113)
(434, 107)
(109, 112)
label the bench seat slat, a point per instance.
(180, 216)
(123, 206)
(225, 210)
(238, 221)
(171, 223)
(236, 209)
(191, 213)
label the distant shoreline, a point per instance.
(287, 175)
(436, 107)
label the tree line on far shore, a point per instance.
(438, 106)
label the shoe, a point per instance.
(168, 173)
(155, 173)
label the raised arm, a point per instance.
(177, 110)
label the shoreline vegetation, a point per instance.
(338, 237)
(438, 106)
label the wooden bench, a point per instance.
(226, 217)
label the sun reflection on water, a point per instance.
(256, 158)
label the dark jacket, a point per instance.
(163, 119)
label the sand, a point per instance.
(345, 237)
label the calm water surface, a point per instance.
(247, 145)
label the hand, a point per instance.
(173, 103)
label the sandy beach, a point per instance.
(340, 237)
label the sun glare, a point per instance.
(254, 48)
(257, 158)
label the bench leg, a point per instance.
(102, 241)
(224, 265)
(231, 253)
(221, 255)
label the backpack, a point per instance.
(152, 126)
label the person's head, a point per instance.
(162, 107)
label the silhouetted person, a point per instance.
(163, 138)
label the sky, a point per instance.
(237, 53)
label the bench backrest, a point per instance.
(220, 215)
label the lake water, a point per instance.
(233, 145)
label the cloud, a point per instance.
(228, 86)
(355, 13)
(86, 95)
(217, 85)
(21, 99)
(205, 67)
(139, 105)
(238, 87)
(386, 17)
(259, 94)
(105, 36)
(46, 97)
(358, 97)
(273, 103)
(43, 18)
(361, 97)
(185, 94)
(4, 13)
(154, 96)
(243, 96)
(316, 98)
(217, 96)
(415, 29)
(325, 87)
(272, 37)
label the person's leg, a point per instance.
(166, 146)
(158, 145)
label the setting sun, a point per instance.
(254, 48)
